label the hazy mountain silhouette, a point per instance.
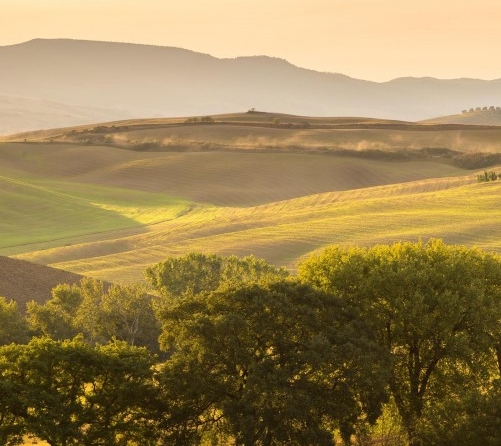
(144, 81)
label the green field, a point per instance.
(108, 212)
(50, 211)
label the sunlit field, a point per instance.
(109, 211)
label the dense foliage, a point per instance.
(391, 344)
(270, 364)
(434, 308)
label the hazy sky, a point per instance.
(368, 39)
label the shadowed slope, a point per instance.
(241, 178)
(24, 281)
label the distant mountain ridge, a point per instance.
(147, 81)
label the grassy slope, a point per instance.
(456, 209)
(51, 208)
(109, 212)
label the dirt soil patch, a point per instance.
(23, 281)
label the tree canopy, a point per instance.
(270, 364)
(434, 308)
(70, 393)
(13, 327)
(101, 313)
(198, 272)
(237, 351)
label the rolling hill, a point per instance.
(274, 185)
(275, 131)
(470, 117)
(24, 281)
(152, 81)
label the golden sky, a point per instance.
(368, 39)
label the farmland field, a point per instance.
(110, 210)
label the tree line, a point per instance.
(393, 344)
(487, 176)
(491, 108)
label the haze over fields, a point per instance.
(304, 176)
(357, 133)
(48, 83)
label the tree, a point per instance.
(13, 327)
(472, 419)
(88, 318)
(275, 363)
(101, 313)
(198, 272)
(70, 393)
(12, 407)
(122, 396)
(127, 314)
(54, 375)
(55, 318)
(434, 308)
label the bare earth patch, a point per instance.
(23, 281)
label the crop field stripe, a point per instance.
(41, 188)
(452, 214)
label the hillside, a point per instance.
(470, 117)
(24, 281)
(108, 212)
(111, 199)
(283, 232)
(18, 114)
(144, 81)
(262, 131)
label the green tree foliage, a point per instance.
(100, 313)
(127, 314)
(13, 327)
(197, 272)
(56, 317)
(12, 408)
(487, 176)
(69, 393)
(434, 308)
(472, 419)
(88, 318)
(121, 397)
(271, 364)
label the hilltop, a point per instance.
(143, 80)
(264, 131)
(483, 116)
